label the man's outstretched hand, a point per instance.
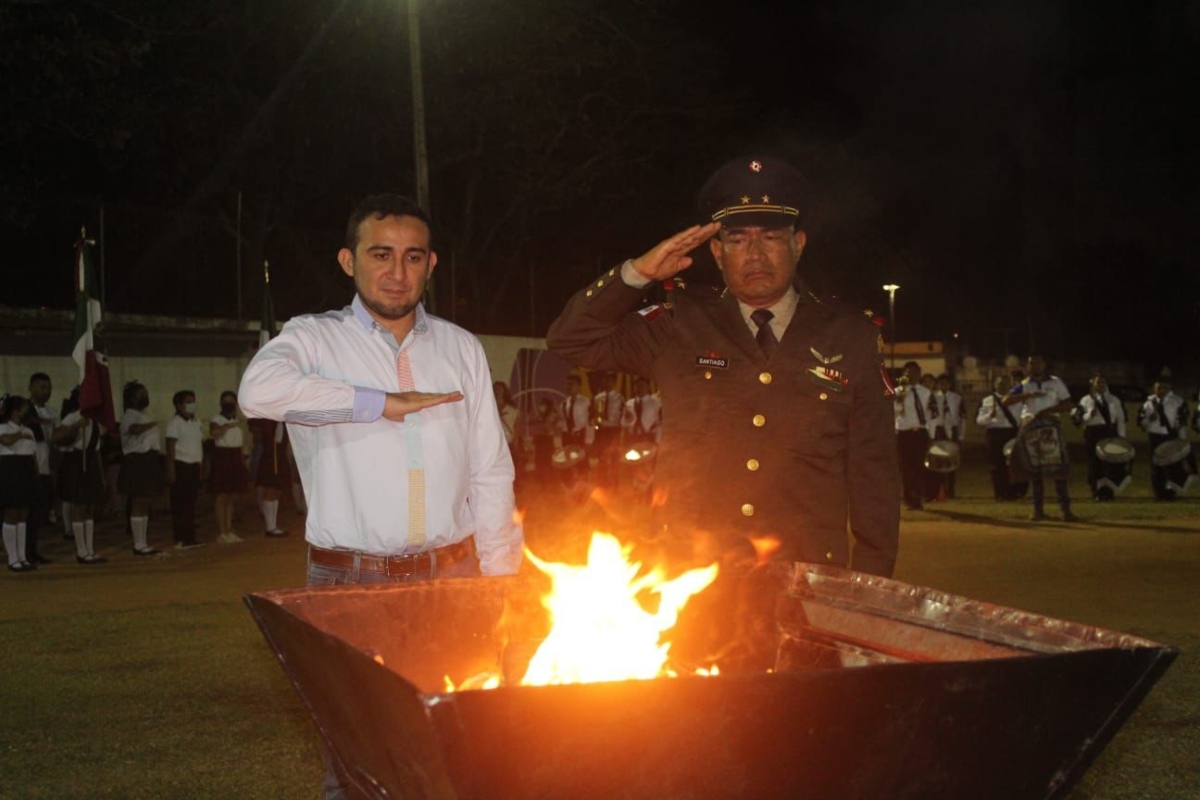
(398, 404)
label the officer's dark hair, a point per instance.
(38, 376)
(382, 206)
(182, 395)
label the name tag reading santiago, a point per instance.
(712, 362)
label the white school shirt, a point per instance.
(144, 442)
(327, 376)
(907, 418)
(651, 419)
(25, 446)
(230, 437)
(1175, 410)
(189, 439)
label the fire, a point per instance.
(600, 629)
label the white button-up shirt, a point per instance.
(1089, 412)
(1053, 390)
(327, 376)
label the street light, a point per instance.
(418, 98)
(891, 288)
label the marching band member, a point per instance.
(1000, 427)
(1164, 418)
(949, 425)
(1043, 396)
(913, 402)
(1102, 415)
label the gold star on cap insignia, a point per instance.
(766, 198)
(745, 200)
(756, 166)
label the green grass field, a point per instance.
(147, 678)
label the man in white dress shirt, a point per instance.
(1102, 416)
(1164, 418)
(393, 423)
(1043, 396)
(392, 419)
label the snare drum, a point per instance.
(1115, 450)
(638, 452)
(943, 455)
(1171, 452)
(567, 456)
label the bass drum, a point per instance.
(1116, 450)
(1041, 450)
(943, 455)
(1171, 452)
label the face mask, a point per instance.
(189, 408)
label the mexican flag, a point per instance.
(267, 331)
(95, 389)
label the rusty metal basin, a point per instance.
(877, 689)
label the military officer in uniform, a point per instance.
(777, 416)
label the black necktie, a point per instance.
(1162, 415)
(1102, 405)
(766, 337)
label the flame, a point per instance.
(601, 631)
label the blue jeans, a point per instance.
(334, 787)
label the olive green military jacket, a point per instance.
(801, 447)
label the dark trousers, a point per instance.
(1097, 469)
(911, 447)
(1060, 488)
(1159, 476)
(183, 502)
(38, 509)
(1002, 487)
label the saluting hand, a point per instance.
(399, 404)
(670, 257)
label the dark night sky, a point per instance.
(1025, 171)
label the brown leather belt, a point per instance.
(392, 566)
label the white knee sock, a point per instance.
(10, 544)
(139, 525)
(270, 513)
(81, 548)
(89, 530)
(21, 541)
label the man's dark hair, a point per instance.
(381, 206)
(182, 395)
(38, 376)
